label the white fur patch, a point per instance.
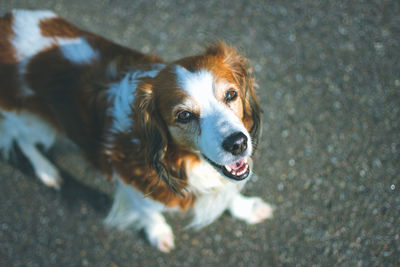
(200, 86)
(214, 193)
(122, 95)
(250, 209)
(77, 50)
(28, 39)
(204, 179)
(25, 127)
(43, 168)
(27, 130)
(132, 208)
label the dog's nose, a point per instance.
(235, 143)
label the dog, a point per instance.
(173, 135)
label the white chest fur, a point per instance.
(214, 193)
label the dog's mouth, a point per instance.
(238, 170)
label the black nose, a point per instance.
(235, 143)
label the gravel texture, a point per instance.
(329, 83)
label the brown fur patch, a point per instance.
(59, 27)
(72, 98)
(112, 55)
(133, 169)
(7, 52)
(8, 63)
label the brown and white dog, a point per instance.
(172, 134)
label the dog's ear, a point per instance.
(149, 126)
(252, 112)
(153, 134)
(242, 73)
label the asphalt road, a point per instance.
(329, 83)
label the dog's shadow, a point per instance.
(73, 191)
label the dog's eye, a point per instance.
(184, 116)
(230, 95)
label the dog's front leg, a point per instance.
(132, 209)
(250, 209)
(158, 232)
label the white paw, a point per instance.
(50, 178)
(161, 237)
(165, 242)
(44, 169)
(260, 211)
(251, 209)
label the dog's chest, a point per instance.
(213, 193)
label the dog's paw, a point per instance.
(165, 242)
(260, 211)
(50, 177)
(251, 209)
(161, 237)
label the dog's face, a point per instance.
(207, 106)
(208, 120)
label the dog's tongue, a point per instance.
(237, 165)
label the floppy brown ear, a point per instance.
(152, 133)
(149, 127)
(252, 111)
(243, 75)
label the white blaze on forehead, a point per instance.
(199, 85)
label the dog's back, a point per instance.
(52, 69)
(42, 54)
(53, 78)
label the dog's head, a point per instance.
(204, 105)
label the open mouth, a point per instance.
(238, 170)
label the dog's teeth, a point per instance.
(240, 172)
(243, 171)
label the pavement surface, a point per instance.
(329, 160)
